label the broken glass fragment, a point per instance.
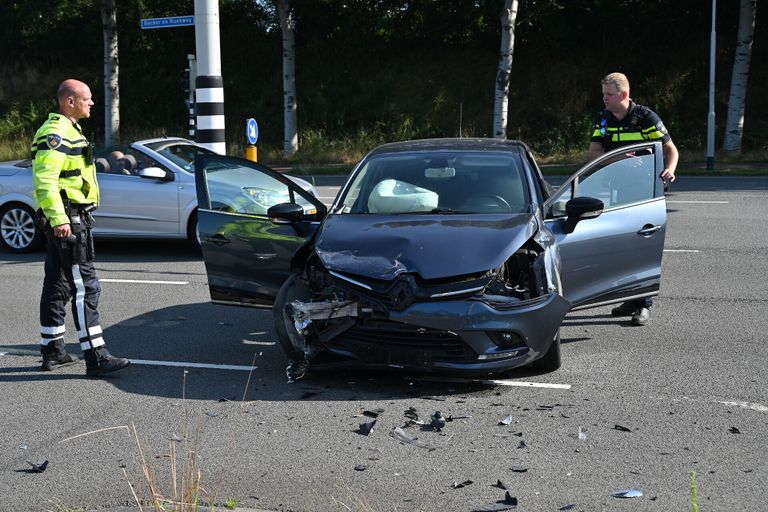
(361, 467)
(501, 485)
(522, 445)
(627, 493)
(734, 430)
(437, 421)
(459, 485)
(24, 446)
(582, 434)
(518, 469)
(621, 429)
(373, 414)
(212, 414)
(570, 506)
(506, 421)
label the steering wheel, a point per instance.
(480, 202)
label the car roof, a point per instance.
(451, 144)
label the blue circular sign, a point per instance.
(252, 131)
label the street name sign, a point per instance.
(172, 21)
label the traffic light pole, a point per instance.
(209, 86)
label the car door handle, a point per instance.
(648, 230)
(218, 239)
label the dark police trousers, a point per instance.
(70, 275)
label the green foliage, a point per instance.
(231, 503)
(694, 493)
(389, 69)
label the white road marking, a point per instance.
(681, 250)
(182, 364)
(501, 382)
(747, 405)
(141, 281)
(699, 202)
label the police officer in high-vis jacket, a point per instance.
(66, 193)
(621, 123)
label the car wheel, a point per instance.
(193, 233)
(289, 338)
(18, 232)
(552, 359)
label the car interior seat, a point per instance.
(130, 164)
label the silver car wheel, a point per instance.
(17, 229)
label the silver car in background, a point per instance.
(147, 191)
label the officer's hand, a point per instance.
(62, 231)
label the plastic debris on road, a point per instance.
(398, 434)
(508, 503)
(459, 485)
(621, 428)
(361, 467)
(734, 430)
(627, 493)
(366, 428)
(38, 468)
(437, 421)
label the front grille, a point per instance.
(396, 343)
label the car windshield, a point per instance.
(181, 153)
(460, 182)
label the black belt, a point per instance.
(70, 174)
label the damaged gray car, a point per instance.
(451, 256)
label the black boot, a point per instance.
(56, 356)
(99, 361)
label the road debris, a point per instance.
(506, 421)
(361, 467)
(508, 503)
(366, 428)
(398, 434)
(621, 428)
(627, 493)
(518, 469)
(459, 485)
(437, 421)
(734, 430)
(38, 468)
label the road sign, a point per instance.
(252, 131)
(173, 21)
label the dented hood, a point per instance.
(433, 246)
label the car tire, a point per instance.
(193, 233)
(18, 232)
(292, 289)
(552, 360)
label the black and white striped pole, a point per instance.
(209, 86)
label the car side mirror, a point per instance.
(581, 208)
(285, 213)
(156, 173)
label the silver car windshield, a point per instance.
(180, 153)
(462, 182)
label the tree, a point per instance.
(501, 102)
(287, 26)
(111, 67)
(735, 122)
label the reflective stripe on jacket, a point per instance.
(640, 124)
(59, 164)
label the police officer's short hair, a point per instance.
(620, 80)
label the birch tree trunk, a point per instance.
(111, 67)
(501, 101)
(734, 126)
(287, 26)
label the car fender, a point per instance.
(17, 198)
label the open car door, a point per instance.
(617, 255)
(248, 254)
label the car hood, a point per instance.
(433, 246)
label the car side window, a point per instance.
(619, 182)
(240, 189)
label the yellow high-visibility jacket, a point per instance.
(59, 151)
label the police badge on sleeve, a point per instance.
(53, 140)
(662, 129)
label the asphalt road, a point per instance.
(689, 387)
